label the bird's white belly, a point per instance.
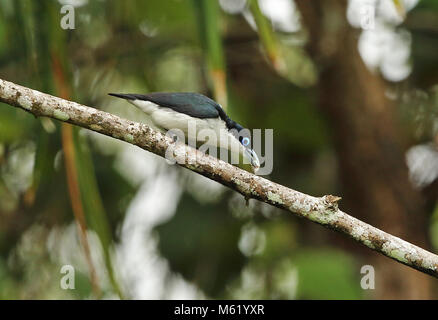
(145, 106)
(200, 130)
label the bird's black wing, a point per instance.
(193, 104)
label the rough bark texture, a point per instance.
(323, 210)
(367, 138)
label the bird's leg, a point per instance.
(246, 200)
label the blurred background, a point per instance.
(349, 87)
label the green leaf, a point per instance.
(44, 157)
(291, 62)
(97, 219)
(267, 36)
(208, 15)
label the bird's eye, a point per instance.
(245, 141)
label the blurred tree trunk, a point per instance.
(369, 144)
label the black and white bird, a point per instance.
(174, 110)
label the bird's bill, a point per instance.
(252, 156)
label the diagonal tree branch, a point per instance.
(323, 210)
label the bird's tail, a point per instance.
(124, 96)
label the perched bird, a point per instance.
(174, 110)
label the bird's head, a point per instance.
(244, 137)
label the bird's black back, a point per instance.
(193, 104)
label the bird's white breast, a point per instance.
(167, 119)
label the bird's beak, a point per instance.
(255, 163)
